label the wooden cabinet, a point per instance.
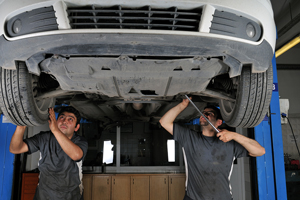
(140, 187)
(87, 186)
(121, 187)
(29, 184)
(134, 186)
(101, 187)
(159, 186)
(176, 187)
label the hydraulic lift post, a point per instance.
(270, 167)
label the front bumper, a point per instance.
(234, 54)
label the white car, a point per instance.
(122, 61)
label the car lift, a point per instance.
(270, 167)
(6, 160)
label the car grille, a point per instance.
(146, 17)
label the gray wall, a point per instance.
(289, 88)
(241, 176)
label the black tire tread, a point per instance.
(236, 117)
(253, 99)
(266, 96)
(16, 97)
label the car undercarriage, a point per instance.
(117, 64)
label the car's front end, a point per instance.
(103, 56)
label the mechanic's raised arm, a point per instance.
(69, 147)
(167, 120)
(17, 145)
(252, 146)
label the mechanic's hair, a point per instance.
(216, 111)
(70, 109)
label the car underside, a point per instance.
(119, 75)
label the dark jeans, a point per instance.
(186, 197)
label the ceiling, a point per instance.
(287, 19)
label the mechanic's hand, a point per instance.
(52, 120)
(226, 135)
(185, 102)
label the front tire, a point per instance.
(18, 97)
(253, 96)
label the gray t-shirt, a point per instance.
(209, 163)
(60, 176)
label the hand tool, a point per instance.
(202, 114)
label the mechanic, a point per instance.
(62, 152)
(209, 155)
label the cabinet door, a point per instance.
(159, 187)
(176, 187)
(29, 184)
(87, 186)
(120, 188)
(139, 187)
(101, 187)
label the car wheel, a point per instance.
(18, 101)
(253, 96)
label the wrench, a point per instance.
(202, 114)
